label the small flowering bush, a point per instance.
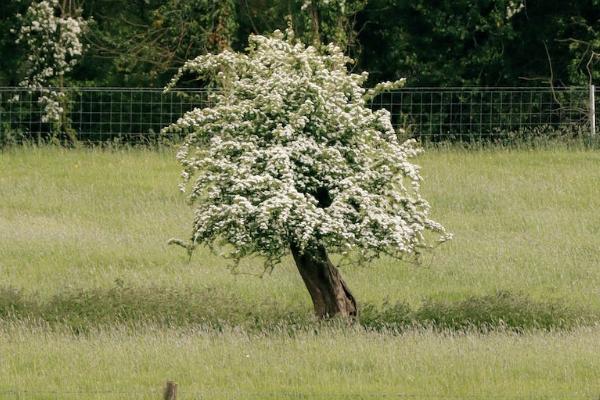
(291, 154)
(52, 39)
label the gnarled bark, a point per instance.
(329, 293)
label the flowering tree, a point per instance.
(290, 157)
(51, 33)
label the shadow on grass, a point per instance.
(88, 309)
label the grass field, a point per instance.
(83, 233)
(330, 364)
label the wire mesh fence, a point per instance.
(476, 114)
(428, 114)
(98, 114)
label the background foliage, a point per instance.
(441, 42)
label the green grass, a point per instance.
(324, 364)
(524, 222)
(85, 310)
(92, 298)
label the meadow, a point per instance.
(87, 281)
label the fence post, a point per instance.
(170, 391)
(592, 108)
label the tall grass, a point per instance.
(326, 363)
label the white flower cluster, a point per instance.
(292, 153)
(384, 87)
(54, 47)
(308, 3)
(513, 8)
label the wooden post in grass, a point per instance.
(170, 391)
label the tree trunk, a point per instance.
(314, 19)
(329, 293)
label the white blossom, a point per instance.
(54, 46)
(291, 152)
(513, 8)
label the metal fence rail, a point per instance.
(429, 114)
